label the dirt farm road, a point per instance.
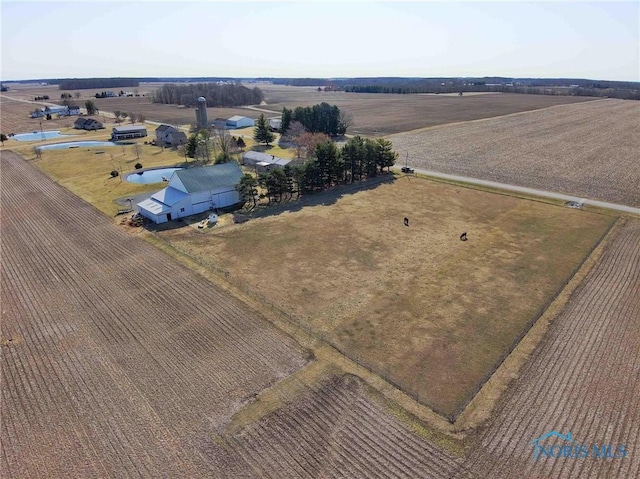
(527, 191)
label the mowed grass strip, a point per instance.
(86, 171)
(426, 310)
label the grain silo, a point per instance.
(201, 114)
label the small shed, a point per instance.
(220, 123)
(275, 123)
(263, 161)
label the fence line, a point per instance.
(386, 376)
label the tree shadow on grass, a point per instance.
(323, 198)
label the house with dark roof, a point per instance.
(192, 191)
(84, 123)
(167, 135)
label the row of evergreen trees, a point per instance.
(217, 95)
(321, 118)
(359, 159)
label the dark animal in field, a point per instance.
(463, 236)
(406, 221)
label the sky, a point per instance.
(328, 39)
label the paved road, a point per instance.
(528, 191)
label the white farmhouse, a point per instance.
(161, 133)
(192, 191)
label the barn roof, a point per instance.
(192, 180)
(238, 118)
(265, 158)
(169, 196)
(125, 129)
(153, 206)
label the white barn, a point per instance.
(192, 191)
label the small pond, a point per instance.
(39, 136)
(151, 176)
(81, 144)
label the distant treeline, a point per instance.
(84, 83)
(217, 95)
(590, 91)
(536, 86)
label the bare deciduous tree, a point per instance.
(308, 142)
(293, 133)
(345, 121)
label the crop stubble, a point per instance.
(590, 149)
(116, 360)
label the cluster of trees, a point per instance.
(91, 107)
(82, 83)
(41, 98)
(66, 98)
(217, 95)
(216, 143)
(123, 115)
(322, 118)
(359, 159)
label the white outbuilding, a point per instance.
(126, 132)
(264, 162)
(238, 121)
(192, 191)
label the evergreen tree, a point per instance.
(248, 188)
(287, 117)
(386, 157)
(353, 153)
(191, 147)
(261, 132)
(329, 161)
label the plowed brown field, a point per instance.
(589, 149)
(583, 379)
(116, 360)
